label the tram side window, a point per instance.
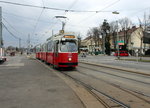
(50, 45)
(37, 49)
(68, 46)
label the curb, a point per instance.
(115, 67)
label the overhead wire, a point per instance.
(10, 32)
(70, 7)
(26, 18)
(12, 26)
(45, 7)
(36, 24)
(140, 11)
(43, 2)
(74, 2)
(99, 11)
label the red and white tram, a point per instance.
(59, 50)
(38, 51)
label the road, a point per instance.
(111, 60)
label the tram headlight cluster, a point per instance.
(69, 59)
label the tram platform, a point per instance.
(25, 83)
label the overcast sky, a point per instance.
(39, 23)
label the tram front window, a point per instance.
(68, 47)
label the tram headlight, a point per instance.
(69, 59)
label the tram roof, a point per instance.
(59, 36)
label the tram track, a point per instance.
(112, 74)
(115, 75)
(116, 68)
(122, 88)
(79, 91)
(93, 91)
(109, 101)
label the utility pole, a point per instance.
(1, 41)
(1, 27)
(118, 42)
(104, 35)
(19, 43)
(115, 12)
(28, 50)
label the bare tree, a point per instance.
(113, 32)
(96, 34)
(125, 25)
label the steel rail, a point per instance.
(122, 88)
(92, 88)
(116, 75)
(114, 67)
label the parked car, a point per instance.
(2, 59)
(121, 53)
(147, 52)
(12, 54)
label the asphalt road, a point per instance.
(111, 60)
(25, 83)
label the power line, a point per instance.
(43, 7)
(26, 18)
(10, 32)
(109, 5)
(43, 2)
(36, 24)
(99, 11)
(11, 25)
(74, 2)
(140, 11)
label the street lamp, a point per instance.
(115, 12)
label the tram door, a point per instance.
(55, 59)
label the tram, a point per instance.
(38, 51)
(59, 50)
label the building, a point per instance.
(133, 37)
(91, 45)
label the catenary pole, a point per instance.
(1, 41)
(1, 27)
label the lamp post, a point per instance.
(118, 42)
(115, 12)
(132, 47)
(104, 35)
